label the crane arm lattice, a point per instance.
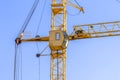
(97, 30)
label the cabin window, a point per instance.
(57, 36)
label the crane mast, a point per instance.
(58, 15)
(58, 53)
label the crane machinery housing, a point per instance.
(58, 37)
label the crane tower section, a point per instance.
(58, 36)
(58, 40)
(58, 15)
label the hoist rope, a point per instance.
(41, 17)
(39, 68)
(18, 63)
(43, 50)
(29, 17)
(37, 46)
(38, 62)
(39, 59)
(20, 52)
(15, 57)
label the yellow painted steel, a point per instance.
(105, 29)
(58, 15)
(75, 6)
(58, 57)
(58, 25)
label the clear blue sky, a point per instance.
(90, 59)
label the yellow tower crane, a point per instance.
(58, 38)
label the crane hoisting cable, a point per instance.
(20, 35)
(28, 18)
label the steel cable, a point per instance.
(15, 59)
(39, 58)
(28, 17)
(42, 12)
